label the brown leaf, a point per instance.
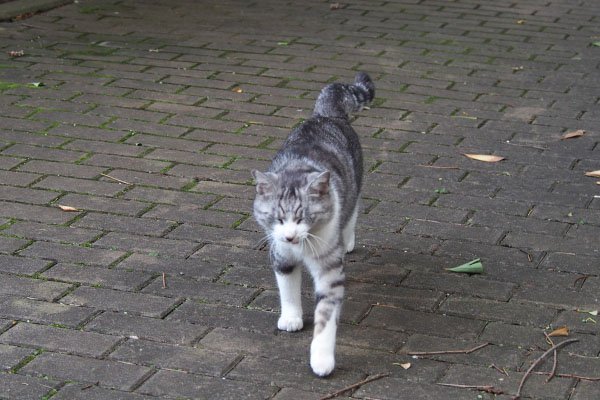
(484, 157)
(577, 133)
(238, 90)
(16, 53)
(334, 6)
(68, 208)
(594, 174)
(562, 331)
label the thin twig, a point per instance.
(555, 362)
(556, 346)
(501, 370)
(582, 278)
(164, 279)
(116, 179)
(489, 389)
(439, 166)
(90, 385)
(355, 385)
(431, 353)
(583, 378)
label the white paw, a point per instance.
(290, 324)
(350, 244)
(322, 363)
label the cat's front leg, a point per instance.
(329, 294)
(289, 280)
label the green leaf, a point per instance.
(37, 84)
(282, 43)
(472, 267)
(597, 44)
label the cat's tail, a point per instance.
(338, 100)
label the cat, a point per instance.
(307, 203)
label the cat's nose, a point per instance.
(289, 238)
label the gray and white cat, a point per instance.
(307, 202)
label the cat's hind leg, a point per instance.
(348, 232)
(289, 280)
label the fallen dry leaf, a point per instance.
(68, 208)
(562, 331)
(19, 53)
(577, 133)
(334, 6)
(595, 174)
(521, 21)
(238, 90)
(403, 365)
(484, 157)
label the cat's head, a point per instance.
(291, 205)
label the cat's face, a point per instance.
(289, 208)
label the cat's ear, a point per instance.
(265, 185)
(319, 184)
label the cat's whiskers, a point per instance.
(310, 244)
(323, 244)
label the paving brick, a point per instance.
(9, 245)
(30, 310)
(32, 288)
(473, 286)
(411, 321)
(189, 157)
(88, 370)
(116, 161)
(523, 314)
(84, 392)
(106, 278)
(72, 253)
(536, 385)
(38, 231)
(561, 298)
(59, 339)
(225, 316)
(170, 196)
(121, 223)
(19, 387)
(133, 326)
(105, 204)
(21, 265)
(394, 388)
(191, 359)
(114, 300)
(206, 234)
(505, 356)
(79, 185)
(586, 390)
(150, 179)
(180, 384)
(146, 244)
(28, 151)
(194, 214)
(172, 266)
(10, 356)
(54, 168)
(202, 291)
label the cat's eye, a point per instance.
(280, 221)
(299, 221)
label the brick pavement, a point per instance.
(146, 116)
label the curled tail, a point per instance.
(338, 100)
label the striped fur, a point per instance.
(307, 203)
